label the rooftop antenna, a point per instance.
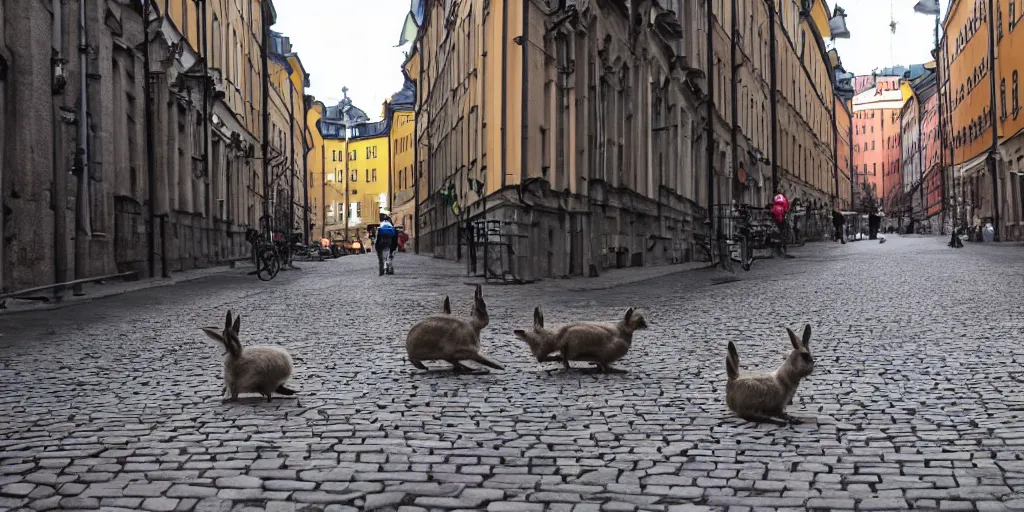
(892, 30)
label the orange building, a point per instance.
(876, 125)
(967, 101)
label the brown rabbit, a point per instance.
(599, 343)
(446, 338)
(262, 370)
(542, 342)
(764, 396)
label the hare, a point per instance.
(599, 343)
(542, 342)
(764, 396)
(262, 370)
(446, 338)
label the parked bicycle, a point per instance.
(264, 254)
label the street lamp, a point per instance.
(837, 24)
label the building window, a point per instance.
(352, 155)
(373, 174)
(354, 176)
(371, 152)
(367, 175)
(334, 155)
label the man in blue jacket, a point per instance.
(386, 236)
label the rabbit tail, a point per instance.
(732, 363)
(486, 362)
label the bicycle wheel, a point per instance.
(269, 264)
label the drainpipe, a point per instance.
(206, 102)
(942, 133)
(504, 99)
(851, 169)
(150, 143)
(82, 233)
(323, 190)
(774, 99)
(523, 170)
(735, 103)
(306, 150)
(391, 160)
(993, 164)
(835, 142)
(291, 174)
(416, 154)
(265, 105)
(59, 197)
(710, 113)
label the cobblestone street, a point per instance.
(916, 400)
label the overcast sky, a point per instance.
(872, 45)
(352, 42)
(347, 43)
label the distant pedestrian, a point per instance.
(386, 238)
(955, 241)
(837, 222)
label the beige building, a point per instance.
(576, 140)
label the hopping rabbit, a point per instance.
(543, 342)
(262, 370)
(599, 343)
(764, 396)
(446, 338)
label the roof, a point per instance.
(924, 87)
(404, 99)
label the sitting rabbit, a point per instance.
(599, 343)
(446, 338)
(262, 370)
(763, 396)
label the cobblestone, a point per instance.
(115, 403)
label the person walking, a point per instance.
(386, 236)
(837, 222)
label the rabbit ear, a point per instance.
(629, 314)
(479, 293)
(227, 321)
(237, 325)
(807, 337)
(521, 334)
(793, 339)
(213, 334)
(447, 306)
(538, 318)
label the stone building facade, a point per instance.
(95, 183)
(573, 137)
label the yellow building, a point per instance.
(321, 192)
(368, 166)
(402, 139)
(365, 190)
